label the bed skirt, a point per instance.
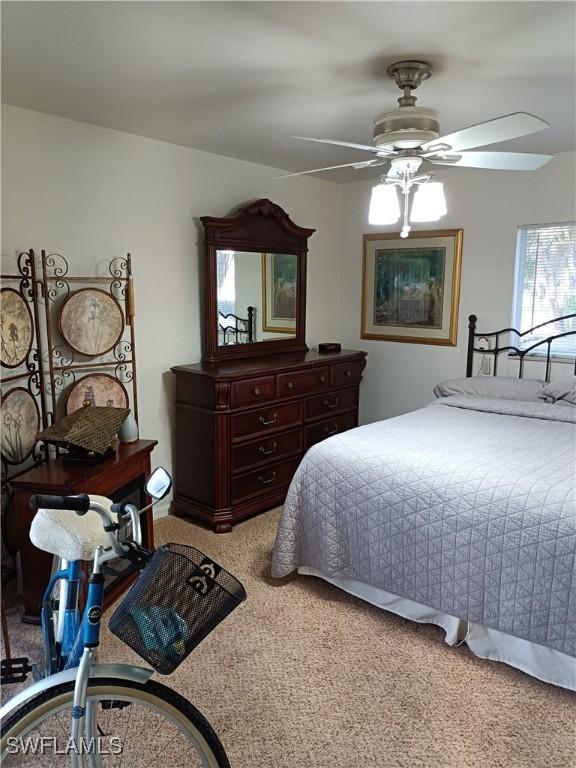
(546, 664)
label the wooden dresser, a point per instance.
(242, 427)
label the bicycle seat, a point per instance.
(65, 534)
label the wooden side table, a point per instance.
(118, 478)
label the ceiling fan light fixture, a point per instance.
(429, 202)
(384, 205)
(404, 166)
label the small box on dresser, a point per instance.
(242, 427)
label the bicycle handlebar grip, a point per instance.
(79, 504)
(119, 507)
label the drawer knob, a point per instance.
(256, 391)
(290, 385)
(322, 379)
(267, 422)
(266, 480)
(267, 451)
(348, 373)
(331, 430)
(332, 404)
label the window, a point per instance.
(545, 285)
(226, 279)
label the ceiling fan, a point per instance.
(409, 135)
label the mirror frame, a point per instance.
(168, 487)
(261, 227)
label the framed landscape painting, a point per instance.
(279, 279)
(411, 287)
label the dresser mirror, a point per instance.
(256, 295)
(256, 283)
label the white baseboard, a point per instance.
(161, 510)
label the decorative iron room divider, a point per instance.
(67, 340)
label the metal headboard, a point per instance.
(496, 350)
(233, 332)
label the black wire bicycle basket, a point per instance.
(176, 602)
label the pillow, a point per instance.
(563, 390)
(504, 388)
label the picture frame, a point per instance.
(411, 287)
(279, 286)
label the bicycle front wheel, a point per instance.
(133, 726)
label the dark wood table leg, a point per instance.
(5, 635)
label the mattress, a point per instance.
(467, 506)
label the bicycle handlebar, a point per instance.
(79, 504)
(114, 516)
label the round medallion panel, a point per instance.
(96, 389)
(20, 425)
(16, 328)
(91, 321)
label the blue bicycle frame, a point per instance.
(78, 635)
(60, 642)
(65, 639)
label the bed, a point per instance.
(462, 514)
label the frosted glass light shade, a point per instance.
(384, 207)
(429, 202)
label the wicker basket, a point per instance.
(176, 602)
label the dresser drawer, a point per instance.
(347, 373)
(266, 419)
(324, 429)
(331, 402)
(253, 391)
(266, 449)
(262, 480)
(303, 382)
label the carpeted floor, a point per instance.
(304, 676)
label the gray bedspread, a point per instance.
(467, 506)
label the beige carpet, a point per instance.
(304, 676)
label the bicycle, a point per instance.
(82, 713)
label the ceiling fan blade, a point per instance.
(357, 166)
(495, 161)
(491, 132)
(364, 147)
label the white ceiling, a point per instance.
(240, 78)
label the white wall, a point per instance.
(92, 194)
(488, 206)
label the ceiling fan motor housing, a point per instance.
(406, 127)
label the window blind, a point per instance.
(546, 284)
